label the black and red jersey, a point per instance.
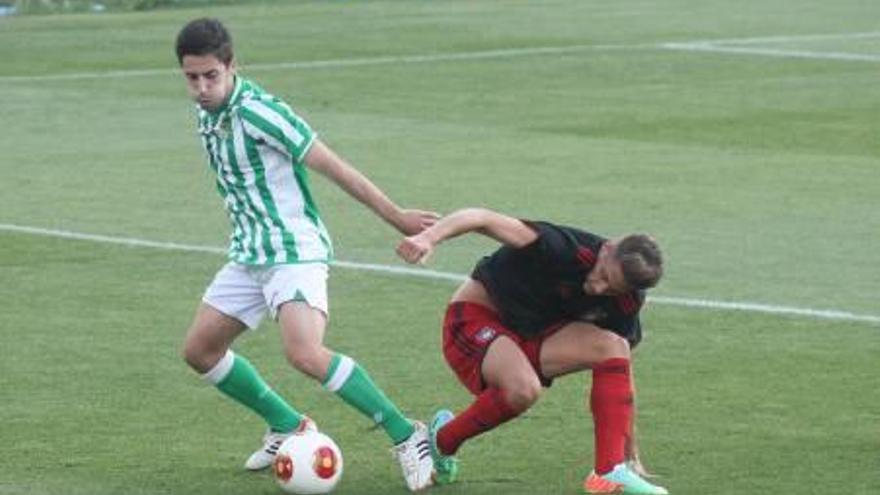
(541, 285)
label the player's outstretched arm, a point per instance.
(504, 229)
(323, 160)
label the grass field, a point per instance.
(742, 134)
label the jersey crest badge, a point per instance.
(223, 128)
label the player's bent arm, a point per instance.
(504, 229)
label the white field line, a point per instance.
(700, 45)
(771, 52)
(745, 46)
(828, 314)
(340, 62)
(763, 40)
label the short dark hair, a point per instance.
(204, 36)
(641, 260)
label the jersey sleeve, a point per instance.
(275, 123)
(551, 244)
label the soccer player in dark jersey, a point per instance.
(552, 300)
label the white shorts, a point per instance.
(245, 292)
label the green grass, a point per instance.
(758, 175)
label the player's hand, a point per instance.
(411, 222)
(415, 249)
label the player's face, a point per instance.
(208, 80)
(606, 278)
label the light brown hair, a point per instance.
(641, 260)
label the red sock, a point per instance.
(611, 401)
(488, 411)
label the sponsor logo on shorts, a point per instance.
(485, 334)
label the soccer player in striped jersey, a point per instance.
(261, 151)
(552, 300)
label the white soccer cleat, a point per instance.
(414, 456)
(263, 458)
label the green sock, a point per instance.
(350, 381)
(236, 377)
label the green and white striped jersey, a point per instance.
(256, 145)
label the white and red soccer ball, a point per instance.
(308, 463)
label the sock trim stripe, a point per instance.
(220, 370)
(341, 374)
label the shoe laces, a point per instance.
(410, 451)
(404, 454)
(273, 442)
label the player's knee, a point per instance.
(199, 357)
(610, 345)
(522, 394)
(306, 360)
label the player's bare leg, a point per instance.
(207, 350)
(302, 332)
(209, 337)
(511, 388)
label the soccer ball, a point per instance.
(308, 463)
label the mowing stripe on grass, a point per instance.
(828, 314)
